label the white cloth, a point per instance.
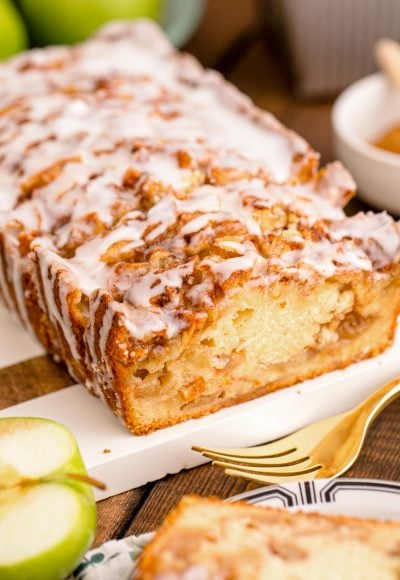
(114, 560)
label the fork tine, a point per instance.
(281, 461)
(278, 471)
(274, 479)
(283, 446)
(266, 451)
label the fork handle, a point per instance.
(375, 403)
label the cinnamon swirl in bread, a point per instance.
(207, 539)
(179, 249)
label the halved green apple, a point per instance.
(47, 507)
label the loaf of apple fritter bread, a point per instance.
(207, 539)
(177, 247)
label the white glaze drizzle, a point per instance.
(139, 130)
(141, 290)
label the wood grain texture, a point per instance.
(380, 458)
(165, 494)
(30, 379)
(143, 509)
(115, 514)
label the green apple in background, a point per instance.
(13, 36)
(47, 508)
(65, 21)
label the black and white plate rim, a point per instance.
(306, 493)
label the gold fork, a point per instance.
(326, 448)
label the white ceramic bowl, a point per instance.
(362, 114)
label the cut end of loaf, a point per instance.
(259, 342)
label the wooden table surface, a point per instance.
(143, 509)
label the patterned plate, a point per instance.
(367, 498)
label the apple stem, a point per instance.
(77, 477)
(87, 479)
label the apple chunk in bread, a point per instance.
(47, 508)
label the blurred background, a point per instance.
(291, 56)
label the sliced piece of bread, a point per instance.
(207, 539)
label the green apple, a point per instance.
(65, 21)
(13, 36)
(47, 507)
